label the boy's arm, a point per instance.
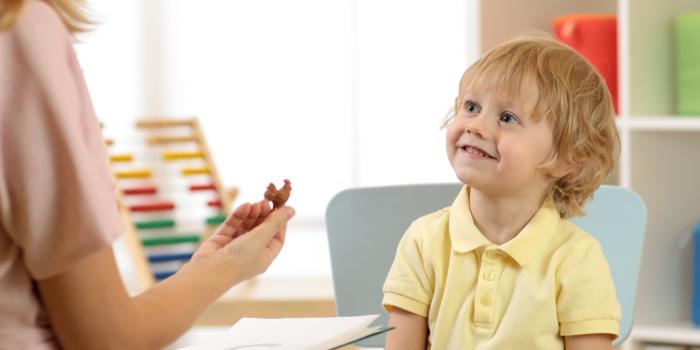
(411, 330)
(588, 342)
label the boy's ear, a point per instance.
(562, 169)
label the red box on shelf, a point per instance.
(594, 36)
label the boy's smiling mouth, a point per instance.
(476, 152)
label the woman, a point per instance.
(58, 214)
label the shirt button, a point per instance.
(489, 276)
(486, 301)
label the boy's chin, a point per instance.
(486, 187)
(467, 178)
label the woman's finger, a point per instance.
(273, 224)
(265, 207)
(252, 219)
(234, 221)
(264, 210)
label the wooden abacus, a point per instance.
(170, 194)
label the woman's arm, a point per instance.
(89, 307)
(411, 331)
(588, 342)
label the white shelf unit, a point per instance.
(660, 153)
(661, 123)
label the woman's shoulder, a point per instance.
(41, 47)
(39, 31)
(39, 15)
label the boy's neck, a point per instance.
(501, 218)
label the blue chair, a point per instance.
(364, 226)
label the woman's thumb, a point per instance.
(275, 221)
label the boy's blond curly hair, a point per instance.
(574, 99)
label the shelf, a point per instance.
(650, 56)
(671, 333)
(661, 123)
(657, 150)
(529, 17)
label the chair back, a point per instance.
(364, 226)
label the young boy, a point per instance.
(533, 136)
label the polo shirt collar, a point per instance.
(465, 236)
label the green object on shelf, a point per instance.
(170, 239)
(688, 64)
(216, 220)
(154, 224)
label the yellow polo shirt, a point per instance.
(549, 281)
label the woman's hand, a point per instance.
(241, 248)
(251, 237)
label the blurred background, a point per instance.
(347, 93)
(330, 94)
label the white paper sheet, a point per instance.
(313, 333)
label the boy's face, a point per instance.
(495, 146)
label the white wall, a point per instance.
(411, 56)
(110, 57)
(330, 94)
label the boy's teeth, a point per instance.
(475, 151)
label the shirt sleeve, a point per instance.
(586, 302)
(407, 285)
(58, 201)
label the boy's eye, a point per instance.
(508, 118)
(472, 107)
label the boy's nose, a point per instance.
(477, 126)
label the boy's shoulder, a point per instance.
(573, 232)
(438, 215)
(571, 237)
(431, 225)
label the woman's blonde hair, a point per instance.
(72, 12)
(574, 99)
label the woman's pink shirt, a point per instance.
(57, 195)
